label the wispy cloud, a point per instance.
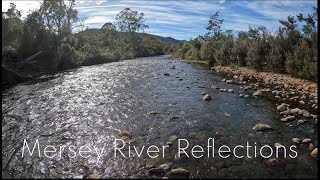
(185, 19)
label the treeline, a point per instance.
(291, 49)
(51, 28)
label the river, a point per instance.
(90, 106)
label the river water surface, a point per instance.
(90, 106)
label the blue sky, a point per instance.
(183, 19)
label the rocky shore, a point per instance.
(283, 80)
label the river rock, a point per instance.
(314, 153)
(166, 166)
(288, 118)
(257, 93)
(272, 162)
(282, 107)
(295, 110)
(230, 90)
(173, 138)
(301, 121)
(261, 127)
(93, 176)
(125, 135)
(296, 140)
(207, 97)
(246, 96)
(306, 114)
(204, 93)
(243, 77)
(302, 102)
(311, 147)
(241, 95)
(277, 145)
(306, 141)
(286, 112)
(178, 173)
(314, 116)
(229, 81)
(155, 172)
(223, 80)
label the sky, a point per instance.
(185, 19)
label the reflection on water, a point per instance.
(90, 106)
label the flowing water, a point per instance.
(90, 106)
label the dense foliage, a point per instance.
(51, 29)
(292, 49)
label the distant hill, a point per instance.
(165, 39)
(159, 38)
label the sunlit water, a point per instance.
(90, 106)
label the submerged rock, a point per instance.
(230, 90)
(207, 97)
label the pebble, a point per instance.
(241, 95)
(246, 96)
(230, 90)
(295, 110)
(302, 102)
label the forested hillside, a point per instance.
(59, 39)
(291, 49)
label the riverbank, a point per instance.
(286, 81)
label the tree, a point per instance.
(214, 25)
(130, 21)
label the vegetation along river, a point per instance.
(146, 101)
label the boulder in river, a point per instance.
(207, 97)
(261, 127)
